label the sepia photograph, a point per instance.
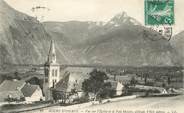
(91, 56)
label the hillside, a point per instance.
(178, 43)
(120, 41)
(23, 39)
(75, 32)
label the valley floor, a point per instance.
(138, 105)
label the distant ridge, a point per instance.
(121, 41)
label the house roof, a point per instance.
(122, 79)
(11, 88)
(113, 83)
(14, 94)
(29, 89)
(62, 85)
(16, 89)
(11, 85)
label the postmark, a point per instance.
(159, 12)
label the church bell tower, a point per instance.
(53, 67)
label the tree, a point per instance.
(145, 77)
(16, 74)
(133, 81)
(59, 95)
(96, 83)
(126, 89)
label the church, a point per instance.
(66, 81)
(62, 79)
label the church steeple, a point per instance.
(53, 67)
(52, 53)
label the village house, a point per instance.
(117, 87)
(32, 93)
(17, 90)
(63, 81)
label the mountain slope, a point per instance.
(121, 41)
(23, 38)
(75, 32)
(178, 43)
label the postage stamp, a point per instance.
(159, 12)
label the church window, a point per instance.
(53, 83)
(53, 72)
(56, 72)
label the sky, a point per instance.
(92, 10)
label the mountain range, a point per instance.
(177, 42)
(121, 41)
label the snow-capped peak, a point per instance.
(122, 18)
(121, 15)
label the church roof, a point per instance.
(52, 53)
(62, 85)
(73, 78)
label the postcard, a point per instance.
(91, 56)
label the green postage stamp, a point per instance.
(159, 12)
